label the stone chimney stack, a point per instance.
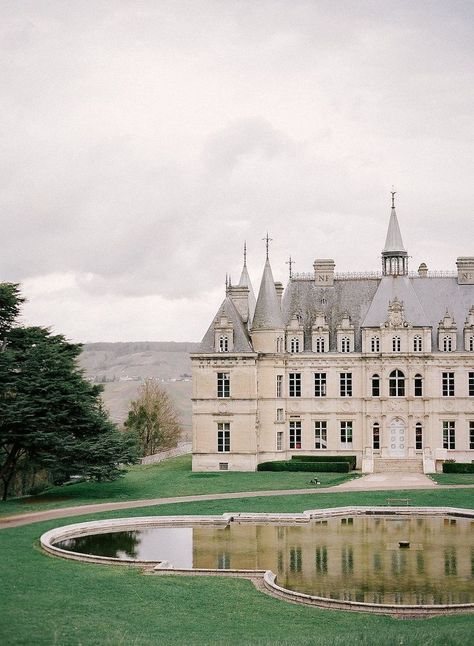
(423, 270)
(465, 270)
(279, 290)
(240, 297)
(324, 272)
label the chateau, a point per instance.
(377, 365)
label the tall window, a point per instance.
(396, 384)
(470, 344)
(345, 344)
(223, 343)
(447, 344)
(295, 434)
(345, 384)
(375, 386)
(449, 435)
(279, 415)
(320, 435)
(279, 385)
(319, 344)
(470, 384)
(376, 436)
(223, 437)
(223, 384)
(320, 384)
(375, 344)
(471, 434)
(396, 344)
(346, 433)
(294, 382)
(417, 343)
(280, 344)
(448, 384)
(294, 344)
(418, 386)
(279, 441)
(418, 436)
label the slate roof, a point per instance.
(391, 287)
(393, 242)
(242, 341)
(246, 282)
(268, 314)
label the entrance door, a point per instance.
(397, 442)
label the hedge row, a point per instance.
(327, 458)
(458, 467)
(299, 465)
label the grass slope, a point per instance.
(453, 478)
(50, 601)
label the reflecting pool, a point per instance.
(349, 558)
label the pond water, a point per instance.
(349, 558)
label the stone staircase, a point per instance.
(402, 465)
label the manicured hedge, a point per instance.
(299, 465)
(327, 458)
(458, 467)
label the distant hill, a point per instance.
(121, 368)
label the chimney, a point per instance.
(423, 270)
(240, 297)
(324, 272)
(279, 290)
(465, 270)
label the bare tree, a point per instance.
(153, 418)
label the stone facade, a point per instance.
(377, 366)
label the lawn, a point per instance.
(52, 601)
(453, 478)
(169, 478)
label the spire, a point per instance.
(267, 311)
(393, 241)
(394, 255)
(245, 253)
(246, 282)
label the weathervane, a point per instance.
(290, 264)
(393, 196)
(245, 253)
(267, 242)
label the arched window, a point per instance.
(375, 386)
(396, 344)
(294, 345)
(418, 436)
(375, 344)
(319, 344)
(471, 344)
(223, 343)
(376, 436)
(345, 344)
(447, 344)
(396, 384)
(418, 386)
(417, 344)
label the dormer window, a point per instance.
(319, 344)
(447, 344)
(345, 344)
(396, 344)
(223, 343)
(280, 345)
(294, 345)
(375, 344)
(417, 343)
(470, 344)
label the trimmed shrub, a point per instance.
(327, 458)
(299, 465)
(458, 467)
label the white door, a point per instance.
(397, 439)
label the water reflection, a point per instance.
(354, 558)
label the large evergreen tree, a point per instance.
(50, 416)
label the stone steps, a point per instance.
(406, 465)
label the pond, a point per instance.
(349, 558)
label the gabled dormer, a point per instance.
(447, 331)
(345, 336)
(320, 334)
(223, 334)
(469, 331)
(295, 335)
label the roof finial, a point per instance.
(226, 283)
(393, 196)
(267, 242)
(245, 253)
(290, 264)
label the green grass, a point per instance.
(453, 478)
(47, 600)
(169, 478)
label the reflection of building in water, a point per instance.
(352, 558)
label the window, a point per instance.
(447, 344)
(448, 384)
(346, 433)
(375, 386)
(320, 384)
(279, 416)
(396, 344)
(320, 435)
(376, 436)
(295, 384)
(345, 384)
(418, 386)
(471, 435)
(279, 386)
(280, 344)
(223, 561)
(418, 436)
(321, 559)
(375, 344)
(396, 384)
(295, 434)
(296, 559)
(223, 466)
(471, 384)
(223, 437)
(470, 344)
(417, 343)
(294, 345)
(223, 343)
(279, 441)
(223, 384)
(319, 344)
(449, 435)
(345, 344)
(347, 559)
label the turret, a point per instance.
(394, 255)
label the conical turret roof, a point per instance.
(246, 282)
(393, 242)
(267, 310)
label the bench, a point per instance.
(398, 501)
(314, 481)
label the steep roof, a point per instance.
(242, 341)
(391, 287)
(267, 310)
(393, 242)
(246, 282)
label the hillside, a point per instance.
(121, 368)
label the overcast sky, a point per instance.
(141, 142)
